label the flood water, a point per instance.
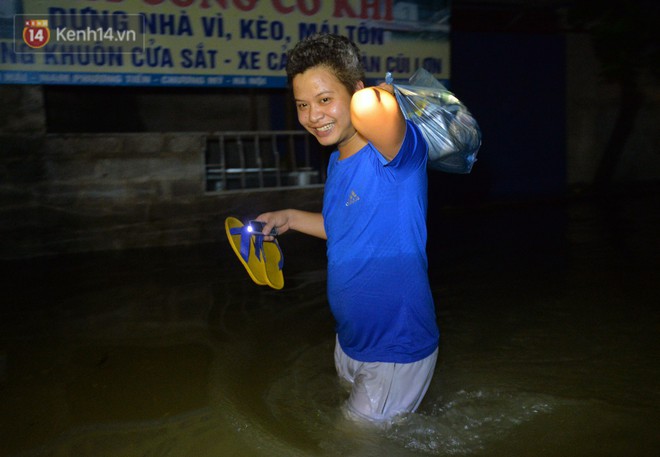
(549, 317)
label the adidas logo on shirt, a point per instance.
(353, 198)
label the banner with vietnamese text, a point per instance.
(217, 43)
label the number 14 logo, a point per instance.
(36, 33)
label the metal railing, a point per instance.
(261, 159)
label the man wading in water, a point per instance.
(374, 221)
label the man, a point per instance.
(374, 221)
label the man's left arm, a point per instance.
(375, 113)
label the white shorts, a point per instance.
(379, 390)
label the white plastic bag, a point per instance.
(451, 132)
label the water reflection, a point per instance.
(549, 327)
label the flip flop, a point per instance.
(262, 260)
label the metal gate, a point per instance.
(261, 159)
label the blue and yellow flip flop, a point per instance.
(263, 260)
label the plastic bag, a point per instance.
(451, 132)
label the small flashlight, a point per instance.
(256, 228)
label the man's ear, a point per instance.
(359, 85)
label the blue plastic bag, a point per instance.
(451, 132)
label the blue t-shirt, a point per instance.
(375, 219)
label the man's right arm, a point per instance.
(306, 222)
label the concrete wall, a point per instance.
(65, 193)
(22, 110)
